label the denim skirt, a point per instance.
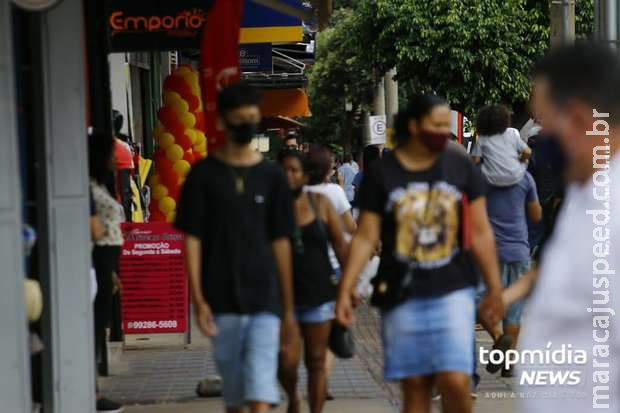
(427, 335)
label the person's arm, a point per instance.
(280, 226)
(520, 289)
(526, 154)
(97, 230)
(534, 211)
(282, 253)
(336, 231)
(193, 259)
(362, 247)
(348, 222)
(532, 204)
(484, 252)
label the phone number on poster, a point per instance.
(138, 325)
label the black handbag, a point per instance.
(341, 341)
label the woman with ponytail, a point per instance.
(425, 202)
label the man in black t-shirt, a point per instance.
(236, 212)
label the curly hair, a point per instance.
(493, 120)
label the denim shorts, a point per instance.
(318, 314)
(246, 354)
(511, 272)
(423, 336)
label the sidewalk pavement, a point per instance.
(165, 379)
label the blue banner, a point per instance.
(255, 57)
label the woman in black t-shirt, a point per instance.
(425, 202)
(317, 224)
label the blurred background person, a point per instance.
(576, 96)
(317, 226)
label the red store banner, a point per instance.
(219, 62)
(155, 297)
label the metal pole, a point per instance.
(391, 97)
(562, 13)
(14, 354)
(69, 385)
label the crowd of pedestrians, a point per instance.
(275, 249)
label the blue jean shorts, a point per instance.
(246, 355)
(318, 314)
(511, 272)
(424, 336)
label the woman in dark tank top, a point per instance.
(317, 224)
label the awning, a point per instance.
(284, 102)
(280, 122)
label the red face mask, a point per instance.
(434, 141)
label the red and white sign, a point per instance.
(219, 62)
(155, 295)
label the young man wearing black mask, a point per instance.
(236, 212)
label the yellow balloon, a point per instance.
(182, 167)
(201, 139)
(167, 205)
(181, 180)
(182, 71)
(191, 134)
(154, 180)
(159, 191)
(170, 97)
(202, 147)
(174, 153)
(166, 140)
(203, 154)
(181, 107)
(188, 119)
(171, 216)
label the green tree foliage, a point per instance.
(471, 51)
(338, 76)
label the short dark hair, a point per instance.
(371, 154)
(100, 152)
(419, 107)
(117, 121)
(493, 119)
(319, 164)
(287, 153)
(586, 71)
(237, 95)
(347, 157)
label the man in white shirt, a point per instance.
(570, 348)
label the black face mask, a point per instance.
(242, 133)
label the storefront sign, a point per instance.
(255, 57)
(377, 130)
(177, 24)
(155, 296)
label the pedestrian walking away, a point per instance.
(499, 147)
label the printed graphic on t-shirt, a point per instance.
(427, 223)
